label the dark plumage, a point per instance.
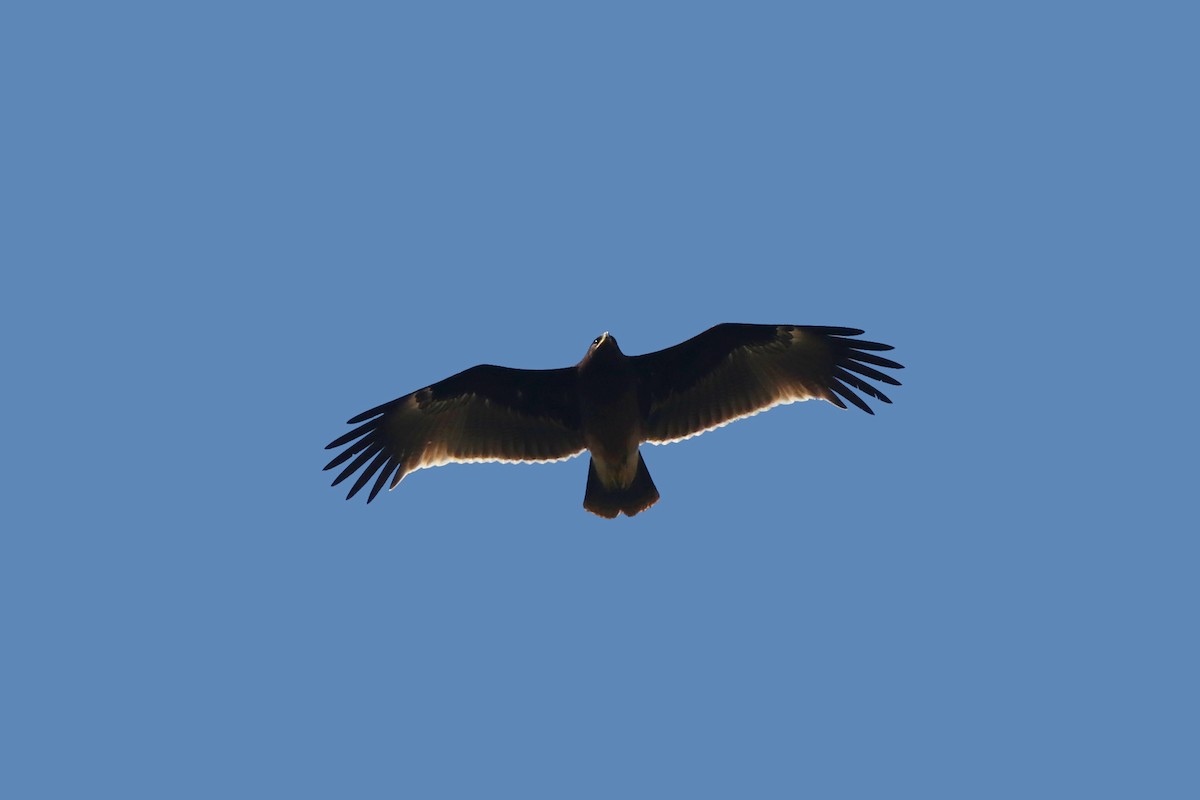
(609, 404)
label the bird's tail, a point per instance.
(609, 501)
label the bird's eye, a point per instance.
(596, 340)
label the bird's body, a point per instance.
(611, 420)
(609, 404)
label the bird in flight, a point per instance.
(609, 404)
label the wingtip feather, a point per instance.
(849, 394)
(370, 412)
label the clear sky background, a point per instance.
(227, 228)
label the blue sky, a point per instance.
(230, 227)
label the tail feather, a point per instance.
(608, 502)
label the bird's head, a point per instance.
(605, 339)
(603, 345)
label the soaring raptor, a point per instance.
(609, 404)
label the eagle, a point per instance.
(609, 404)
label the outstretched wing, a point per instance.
(733, 371)
(485, 413)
